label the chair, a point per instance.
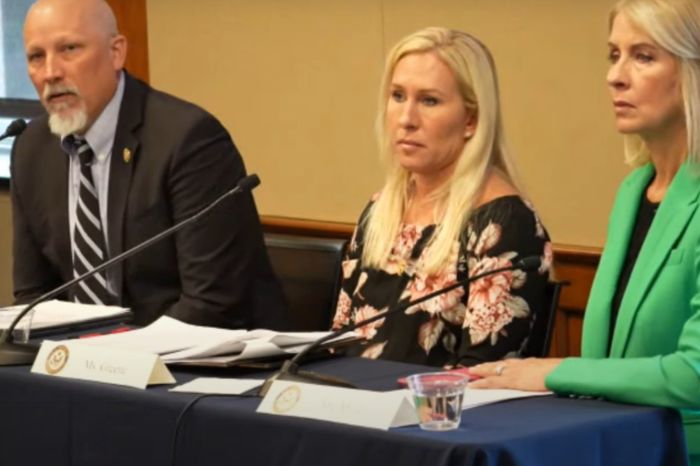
(309, 269)
(540, 338)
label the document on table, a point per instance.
(218, 386)
(56, 314)
(178, 342)
(474, 397)
(166, 335)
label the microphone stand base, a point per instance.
(291, 374)
(17, 354)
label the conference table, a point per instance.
(51, 420)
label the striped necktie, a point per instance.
(88, 239)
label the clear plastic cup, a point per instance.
(21, 332)
(438, 398)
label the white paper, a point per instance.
(255, 343)
(378, 410)
(474, 397)
(218, 386)
(251, 349)
(56, 313)
(177, 342)
(166, 335)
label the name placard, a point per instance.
(76, 360)
(378, 410)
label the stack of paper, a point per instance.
(180, 343)
(57, 314)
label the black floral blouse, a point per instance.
(450, 329)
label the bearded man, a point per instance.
(115, 162)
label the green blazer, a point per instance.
(655, 354)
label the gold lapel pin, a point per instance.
(127, 155)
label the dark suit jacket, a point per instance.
(215, 272)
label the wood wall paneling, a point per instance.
(576, 265)
(297, 226)
(131, 18)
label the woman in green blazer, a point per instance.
(641, 333)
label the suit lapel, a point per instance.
(596, 327)
(122, 165)
(669, 223)
(57, 167)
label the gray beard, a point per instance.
(62, 125)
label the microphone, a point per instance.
(290, 368)
(16, 353)
(14, 129)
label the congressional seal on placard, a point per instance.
(287, 399)
(57, 359)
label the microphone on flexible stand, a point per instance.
(12, 353)
(290, 368)
(15, 128)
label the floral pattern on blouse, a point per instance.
(490, 322)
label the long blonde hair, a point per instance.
(473, 68)
(675, 26)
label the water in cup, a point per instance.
(22, 330)
(438, 399)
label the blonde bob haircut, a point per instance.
(473, 68)
(675, 26)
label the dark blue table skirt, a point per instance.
(47, 420)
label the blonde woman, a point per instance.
(451, 207)
(641, 333)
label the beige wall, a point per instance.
(295, 82)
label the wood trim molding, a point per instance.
(304, 227)
(131, 19)
(564, 253)
(574, 264)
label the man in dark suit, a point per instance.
(153, 160)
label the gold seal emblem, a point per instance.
(57, 359)
(127, 155)
(287, 399)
